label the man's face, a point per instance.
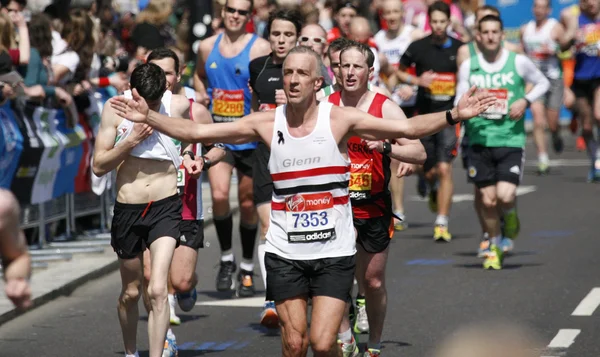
(490, 35)
(541, 11)
(282, 37)
(392, 14)
(343, 18)
(481, 14)
(14, 6)
(334, 62)
(313, 36)
(355, 70)
(300, 80)
(236, 14)
(590, 6)
(439, 23)
(168, 66)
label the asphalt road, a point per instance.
(433, 288)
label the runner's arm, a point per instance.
(406, 150)
(107, 156)
(562, 36)
(462, 82)
(531, 74)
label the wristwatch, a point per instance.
(188, 152)
(449, 118)
(207, 163)
(387, 148)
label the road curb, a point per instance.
(68, 288)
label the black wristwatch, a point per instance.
(387, 148)
(188, 152)
(528, 102)
(207, 163)
(449, 118)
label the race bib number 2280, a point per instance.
(309, 217)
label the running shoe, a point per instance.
(433, 206)
(494, 258)
(361, 325)
(484, 248)
(245, 284)
(187, 300)
(512, 224)
(268, 317)
(543, 168)
(225, 276)
(507, 245)
(440, 233)
(170, 348)
(349, 349)
(580, 144)
(557, 143)
(173, 318)
(372, 352)
(400, 224)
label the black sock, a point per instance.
(361, 297)
(248, 235)
(224, 227)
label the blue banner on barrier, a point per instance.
(514, 14)
(70, 157)
(11, 146)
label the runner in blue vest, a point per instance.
(223, 62)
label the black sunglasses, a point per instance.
(232, 10)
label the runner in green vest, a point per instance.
(497, 137)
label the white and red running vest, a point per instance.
(311, 217)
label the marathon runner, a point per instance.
(266, 81)
(392, 43)
(14, 255)
(148, 209)
(223, 61)
(434, 58)
(541, 40)
(310, 243)
(497, 137)
(314, 36)
(344, 13)
(584, 29)
(182, 277)
(371, 200)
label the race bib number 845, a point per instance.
(309, 217)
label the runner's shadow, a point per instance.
(474, 254)
(504, 266)
(181, 353)
(226, 295)
(270, 332)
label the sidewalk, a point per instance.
(75, 263)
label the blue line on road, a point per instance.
(429, 262)
(205, 346)
(186, 345)
(223, 346)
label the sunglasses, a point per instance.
(232, 10)
(317, 40)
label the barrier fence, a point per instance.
(45, 160)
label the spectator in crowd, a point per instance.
(20, 34)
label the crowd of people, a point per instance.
(307, 101)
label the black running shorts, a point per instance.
(489, 165)
(242, 160)
(261, 178)
(440, 147)
(333, 277)
(192, 234)
(374, 234)
(137, 226)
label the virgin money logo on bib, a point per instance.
(295, 203)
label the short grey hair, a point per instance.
(308, 50)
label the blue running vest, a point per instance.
(228, 88)
(587, 61)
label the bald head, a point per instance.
(315, 37)
(390, 5)
(360, 30)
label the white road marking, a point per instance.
(588, 305)
(564, 338)
(462, 197)
(258, 301)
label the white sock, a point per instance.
(345, 337)
(170, 334)
(543, 158)
(172, 301)
(247, 265)
(227, 256)
(441, 221)
(261, 262)
(133, 355)
(496, 240)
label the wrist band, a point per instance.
(449, 118)
(191, 153)
(103, 82)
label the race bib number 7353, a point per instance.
(309, 217)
